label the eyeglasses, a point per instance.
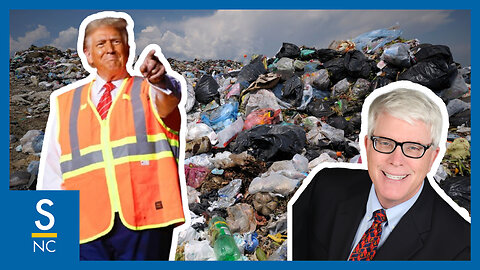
(409, 149)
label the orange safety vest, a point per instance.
(125, 163)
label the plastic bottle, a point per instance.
(224, 245)
(226, 135)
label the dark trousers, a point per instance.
(122, 243)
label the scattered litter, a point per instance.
(255, 129)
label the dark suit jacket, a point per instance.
(327, 214)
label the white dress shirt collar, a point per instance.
(394, 214)
(97, 89)
(100, 82)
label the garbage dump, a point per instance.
(255, 131)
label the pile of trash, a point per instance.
(34, 74)
(197, 68)
(254, 133)
(256, 130)
(47, 67)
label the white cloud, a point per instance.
(229, 34)
(66, 39)
(22, 43)
(149, 29)
(232, 33)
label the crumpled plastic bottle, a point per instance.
(224, 245)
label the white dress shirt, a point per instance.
(50, 167)
(394, 214)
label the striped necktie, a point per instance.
(367, 247)
(105, 100)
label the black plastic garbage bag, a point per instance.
(435, 74)
(379, 82)
(320, 108)
(251, 71)
(325, 55)
(391, 72)
(331, 148)
(459, 189)
(292, 91)
(271, 142)
(356, 64)
(356, 121)
(348, 150)
(206, 89)
(289, 50)
(427, 52)
(340, 122)
(461, 118)
(373, 67)
(336, 69)
(313, 151)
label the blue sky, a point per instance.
(229, 34)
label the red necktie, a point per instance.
(367, 247)
(105, 100)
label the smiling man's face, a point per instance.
(108, 52)
(396, 177)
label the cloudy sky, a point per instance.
(229, 34)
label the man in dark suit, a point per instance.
(391, 211)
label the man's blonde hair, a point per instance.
(118, 23)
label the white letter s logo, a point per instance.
(50, 217)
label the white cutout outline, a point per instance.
(363, 132)
(133, 72)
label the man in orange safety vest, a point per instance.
(115, 138)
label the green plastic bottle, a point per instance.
(224, 245)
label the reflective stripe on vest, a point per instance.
(141, 146)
